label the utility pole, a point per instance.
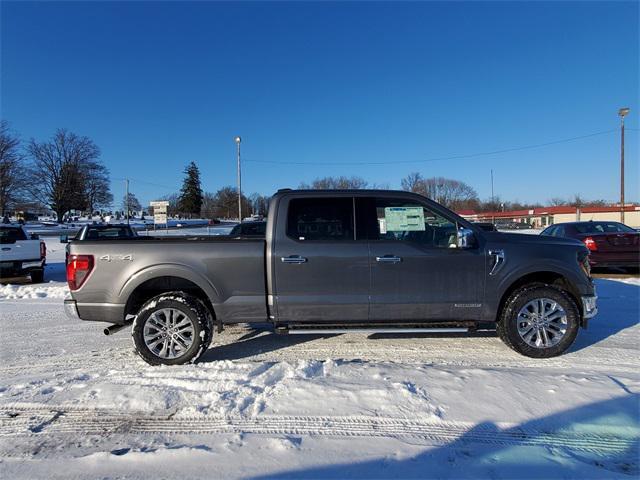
(492, 197)
(238, 140)
(126, 196)
(493, 219)
(622, 112)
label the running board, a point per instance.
(327, 331)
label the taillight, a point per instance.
(43, 251)
(591, 244)
(78, 269)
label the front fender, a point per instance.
(499, 285)
(574, 276)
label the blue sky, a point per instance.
(157, 85)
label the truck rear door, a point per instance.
(321, 272)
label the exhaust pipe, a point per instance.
(111, 329)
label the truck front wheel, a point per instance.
(173, 328)
(539, 321)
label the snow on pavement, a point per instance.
(77, 404)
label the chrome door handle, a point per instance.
(388, 259)
(293, 259)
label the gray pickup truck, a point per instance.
(332, 262)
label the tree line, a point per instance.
(453, 194)
(65, 173)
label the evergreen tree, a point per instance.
(190, 201)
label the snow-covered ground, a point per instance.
(77, 404)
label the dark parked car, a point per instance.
(249, 229)
(611, 244)
(513, 226)
(487, 226)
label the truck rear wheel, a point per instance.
(37, 276)
(539, 321)
(173, 328)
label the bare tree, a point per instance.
(259, 204)
(413, 183)
(336, 183)
(226, 203)
(557, 202)
(96, 186)
(451, 193)
(132, 203)
(173, 199)
(57, 171)
(13, 173)
(209, 205)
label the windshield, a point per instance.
(603, 227)
(109, 233)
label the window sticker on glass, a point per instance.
(404, 219)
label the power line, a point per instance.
(145, 182)
(435, 159)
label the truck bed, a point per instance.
(231, 271)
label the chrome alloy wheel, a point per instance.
(168, 333)
(542, 323)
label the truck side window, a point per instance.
(409, 221)
(320, 219)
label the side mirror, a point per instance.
(35, 236)
(466, 238)
(64, 239)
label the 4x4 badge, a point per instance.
(124, 258)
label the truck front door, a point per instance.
(320, 271)
(417, 271)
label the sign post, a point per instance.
(159, 213)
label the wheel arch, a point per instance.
(154, 286)
(554, 279)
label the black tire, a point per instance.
(193, 308)
(507, 327)
(37, 276)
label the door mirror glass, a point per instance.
(466, 238)
(64, 239)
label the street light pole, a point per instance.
(238, 140)
(126, 196)
(493, 206)
(622, 112)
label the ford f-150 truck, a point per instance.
(337, 261)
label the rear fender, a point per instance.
(169, 270)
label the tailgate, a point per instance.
(20, 250)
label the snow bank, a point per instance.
(41, 290)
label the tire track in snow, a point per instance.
(27, 419)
